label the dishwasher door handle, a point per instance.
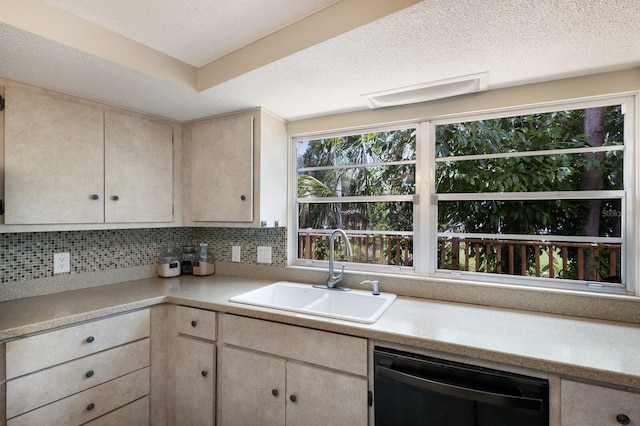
(534, 404)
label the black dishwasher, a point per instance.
(413, 389)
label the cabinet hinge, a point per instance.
(1, 103)
(370, 398)
(1, 207)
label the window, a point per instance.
(540, 196)
(363, 183)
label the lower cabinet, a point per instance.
(194, 368)
(586, 404)
(135, 413)
(88, 372)
(220, 368)
(288, 375)
(194, 382)
(266, 390)
(90, 404)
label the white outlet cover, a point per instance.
(61, 263)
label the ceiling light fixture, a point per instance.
(428, 91)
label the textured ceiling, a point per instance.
(194, 31)
(515, 42)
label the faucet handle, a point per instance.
(374, 285)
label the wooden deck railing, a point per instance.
(367, 248)
(588, 261)
(582, 261)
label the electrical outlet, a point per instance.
(264, 254)
(61, 263)
(235, 253)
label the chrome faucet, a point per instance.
(333, 279)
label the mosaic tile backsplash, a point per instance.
(29, 255)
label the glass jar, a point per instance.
(186, 261)
(203, 263)
(169, 262)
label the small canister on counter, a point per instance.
(203, 263)
(186, 260)
(169, 262)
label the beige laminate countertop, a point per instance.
(589, 349)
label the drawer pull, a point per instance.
(293, 398)
(274, 392)
(90, 339)
(91, 406)
(193, 323)
(623, 419)
(89, 373)
(204, 373)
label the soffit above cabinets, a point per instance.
(301, 58)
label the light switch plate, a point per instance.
(235, 253)
(264, 254)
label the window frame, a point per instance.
(425, 230)
(293, 220)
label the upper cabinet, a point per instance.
(72, 162)
(138, 156)
(235, 170)
(54, 160)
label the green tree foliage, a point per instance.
(538, 173)
(370, 169)
(543, 171)
(371, 149)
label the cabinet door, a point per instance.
(138, 169)
(252, 389)
(316, 396)
(54, 159)
(221, 162)
(582, 404)
(194, 382)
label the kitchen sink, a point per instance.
(354, 305)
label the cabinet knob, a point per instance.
(95, 197)
(623, 419)
(89, 373)
(193, 323)
(115, 198)
(90, 339)
(274, 392)
(91, 406)
(204, 373)
(293, 398)
(242, 197)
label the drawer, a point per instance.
(45, 386)
(196, 322)
(134, 414)
(346, 353)
(582, 404)
(90, 404)
(40, 351)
